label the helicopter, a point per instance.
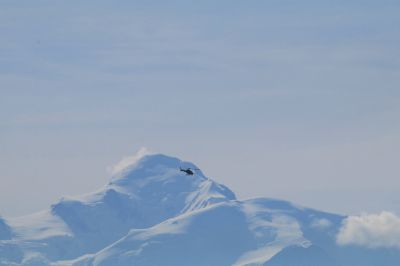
(188, 171)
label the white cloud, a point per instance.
(372, 231)
(321, 223)
(128, 161)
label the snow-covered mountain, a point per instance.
(229, 233)
(153, 214)
(5, 230)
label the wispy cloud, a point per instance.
(321, 224)
(371, 231)
(128, 161)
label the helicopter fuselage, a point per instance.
(187, 171)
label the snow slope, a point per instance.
(152, 214)
(145, 193)
(230, 233)
(5, 230)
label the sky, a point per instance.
(297, 100)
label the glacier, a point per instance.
(152, 214)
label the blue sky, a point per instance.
(291, 99)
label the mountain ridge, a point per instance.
(150, 213)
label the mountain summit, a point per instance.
(151, 213)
